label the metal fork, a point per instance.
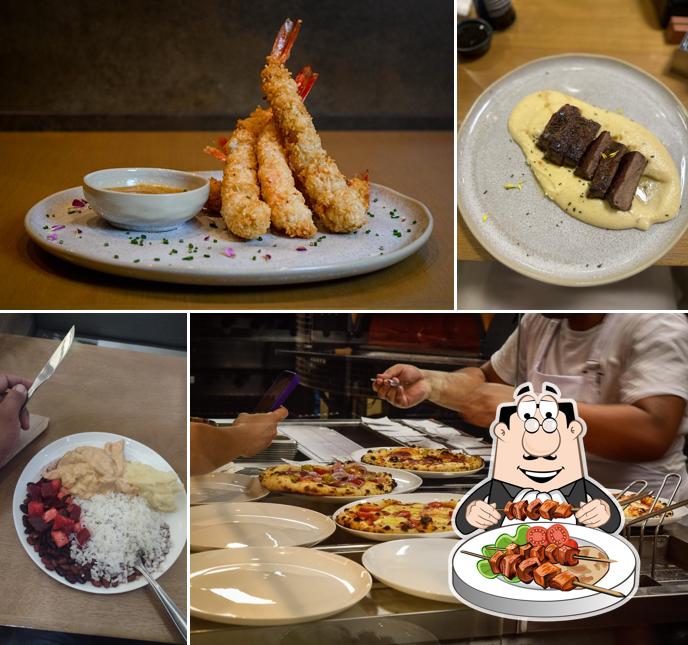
(177, 617)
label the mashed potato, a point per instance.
(87, 471)
(658, 195)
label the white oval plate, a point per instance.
(406, 483)
(525, 230)
(358, 455)
(235, 526)
(676, 515)
(133, 451)
(425, 498)
(416, 567)
(225, 487)
(273, 585)
(89, 241)
(532, 602)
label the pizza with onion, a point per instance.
(438, 460)
(392, 516)
(341, 478)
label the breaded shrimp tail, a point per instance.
(341, 207)
(289, 211)
(245, 214)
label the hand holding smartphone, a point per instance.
(278, 392)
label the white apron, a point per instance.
(584, 387)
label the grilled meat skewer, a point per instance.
(546, 574)
(537, 509)
(566, 555)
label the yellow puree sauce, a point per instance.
(147, 189)
(658, 196)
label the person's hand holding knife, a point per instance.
(13, 415)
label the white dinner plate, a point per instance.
(676, 515)
(532, 602)
(406, 483)
(416, 567)
(273, 585)
(410, 498)
(397, 227)
(235, 526)
(225, 487)
(358, 455)
(133, 451)
(522, 228)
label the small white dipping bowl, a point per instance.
(141, 211)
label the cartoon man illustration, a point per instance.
(538, 454)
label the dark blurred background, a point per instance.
(174, 64)
(235, 357)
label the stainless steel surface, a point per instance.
(389, 616)
(177, 617)
(52, 364)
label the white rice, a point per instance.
(120, 526)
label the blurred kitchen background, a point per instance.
(235, 358)
(176, 65)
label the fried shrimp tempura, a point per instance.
(214, 201)
(289, 211)
(244, 212)
(340, 204)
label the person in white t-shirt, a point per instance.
(628, 373)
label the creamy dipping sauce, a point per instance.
(148, 189)
(657, 197)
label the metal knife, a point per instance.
(50, 367)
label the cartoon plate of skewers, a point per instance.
(544, 572)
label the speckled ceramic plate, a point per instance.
(202, 251)
(525, 230)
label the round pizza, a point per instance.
(344, 479)
(438, 460)
(392, 516)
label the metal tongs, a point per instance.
(654, 512)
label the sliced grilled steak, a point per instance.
(606, 169)
(556, 124)
(588, 163)
(568, 145)
(579, 137)
(622, 191)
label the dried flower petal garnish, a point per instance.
(78, 203)
(229, 252)
(301, 249)
(57, 227)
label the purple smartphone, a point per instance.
(278, 392)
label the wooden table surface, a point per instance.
(34, 165)
(94, 390)
(625, 29)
